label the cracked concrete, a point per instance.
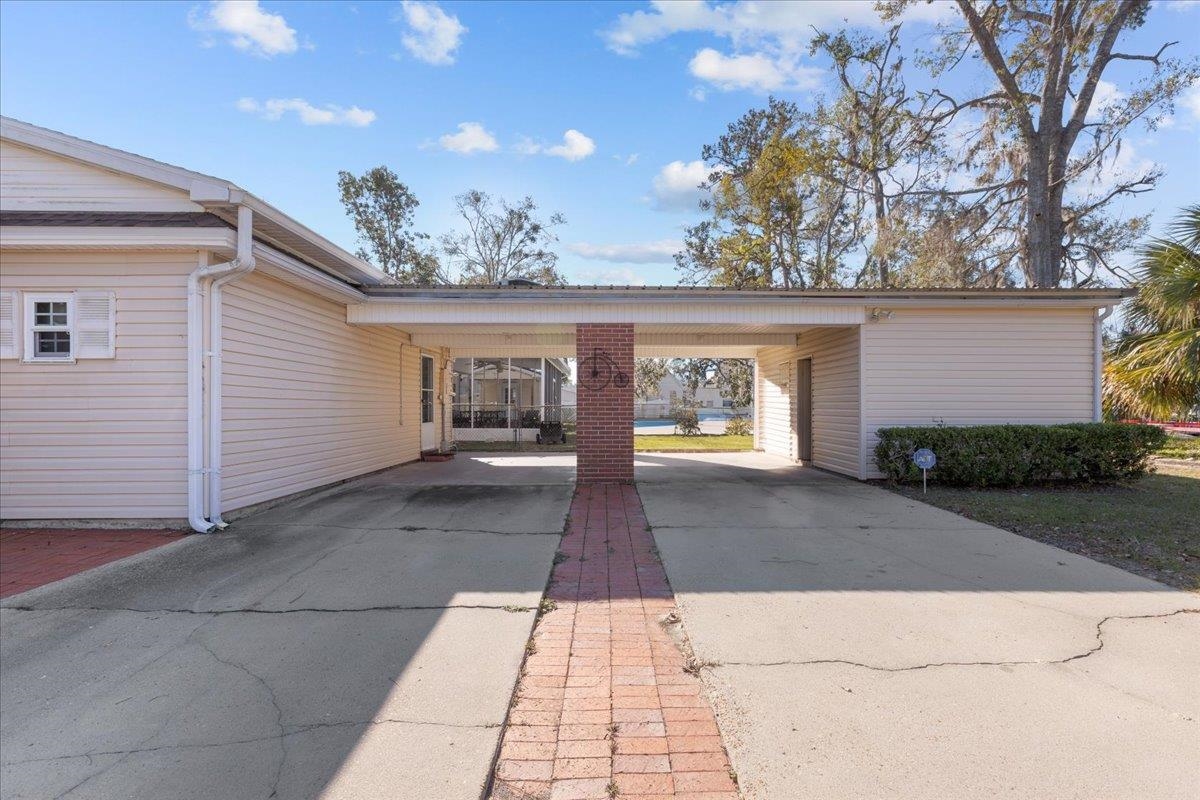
(1096, 648)
(859, 644)
(360, 643)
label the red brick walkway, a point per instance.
(604, 707)
(31, 558)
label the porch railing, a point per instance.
(508, 415)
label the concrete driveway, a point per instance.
(359, 643)
(867, 646)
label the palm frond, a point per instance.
(1154, 369)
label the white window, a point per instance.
(49, 327)
(57, 327)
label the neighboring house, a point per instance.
(671, 391)
(173, 347)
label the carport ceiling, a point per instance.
(650, 341)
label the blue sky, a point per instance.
(596, 110)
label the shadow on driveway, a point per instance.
(362, 642)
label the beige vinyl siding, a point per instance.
(309, 399)
(975, 367)
(835, 389)
(100, 438)
(835, 398)
(31, 180)
(773, 417)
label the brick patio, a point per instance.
(33, 557)
(604, 706)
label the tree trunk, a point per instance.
(881, 229)
(1043, 223)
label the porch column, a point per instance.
(604, 412)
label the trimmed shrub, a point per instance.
(738, 426)
(1021, 455)
(687, 421)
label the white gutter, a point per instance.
(245, 264)
(201, 278)
(1098, 365)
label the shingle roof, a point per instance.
(112, 219)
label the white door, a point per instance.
(428, 399)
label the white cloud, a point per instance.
(628, 160)
(247, 25)
(328, 114)
(748, 23)
(527, 147)
(610, 277)
(1183, 5)
(1106, 95)
(575, 146)
(433, 35)
(472, 137)
(757, 72)
(698, 93)
(660, 252)
(676, 187)
(1119, 166)
(769, 40)
(1190, 100)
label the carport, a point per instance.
(831, 366)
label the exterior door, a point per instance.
(428, 399)
(804, 409)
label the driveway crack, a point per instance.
(274, 700)
(287, 732)
(1096, 648)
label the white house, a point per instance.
(671, 391)
(173, 347)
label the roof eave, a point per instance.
(1095, 297)
(204, 190)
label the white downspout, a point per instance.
(1098, 367)
(244, 265)
(197, 282)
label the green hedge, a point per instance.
(1021, 455)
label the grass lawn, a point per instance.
(646, 443)
(702, 443)
(1184, 447)
(1150, 527)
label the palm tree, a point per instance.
(1153, 369)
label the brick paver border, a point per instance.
(604, 706)
(30, 558)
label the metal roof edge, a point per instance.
(717, 294)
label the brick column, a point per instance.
(604, 432)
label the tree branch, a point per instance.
(1154, 59)
(995, 59)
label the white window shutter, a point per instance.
(9, 340)
(95, 325)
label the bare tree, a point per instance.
(878, 140)
(1048, 58)
(502, 242)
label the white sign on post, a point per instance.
(926, 460)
